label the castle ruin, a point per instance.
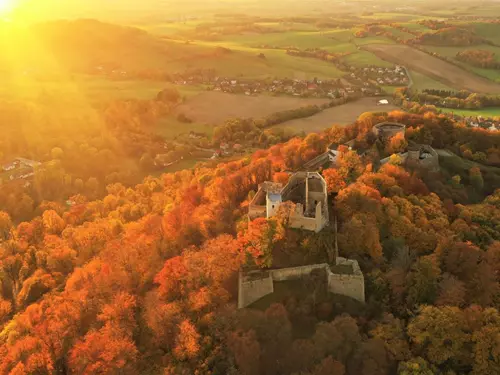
(344, 279)
(386, 130)
(418, 157)
(306, 190)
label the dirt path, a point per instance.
(433, 67)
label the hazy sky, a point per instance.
(144, 10)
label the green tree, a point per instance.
(476, 179)
(416, 366)
(422, 282)
(395, 159)
(487, 347)
(441, 334)
(169, 94)
(456, 181)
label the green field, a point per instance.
(169, 28)
(392, 16)
(169, 127)
(288, 26)
(389, 89)
(485, 112)
(491, 74)
(490, 31)
(451, 52)
(89, 88)
(298, 39)
(415, 26)
(364, 58)
(398, 33)
(373, 40)
(340, 35)
(422, 82)
(243, 61)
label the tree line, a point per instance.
(479, 58)
(450, 99)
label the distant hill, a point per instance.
(85, 44)
(90, 46)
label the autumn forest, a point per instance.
(124, 211)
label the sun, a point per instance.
(6, 5)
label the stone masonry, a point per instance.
(254, 285)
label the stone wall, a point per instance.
(302, 222)
(315, 224)
(292, 273)
(314, 164)
(257, 206)
(412, 159)
(348, 285)
(258, 284)
(430, 162)
(253, 287)
(255, 212)
(314, 198)
(386, 130)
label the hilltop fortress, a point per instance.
(307, 190)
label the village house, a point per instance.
(19, 163)
(19, 169)
(194, 135)
(165, 160)
(313, 88)
(481, 122)
(217, 154)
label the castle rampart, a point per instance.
(344, 279)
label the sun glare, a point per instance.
(6, 5)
